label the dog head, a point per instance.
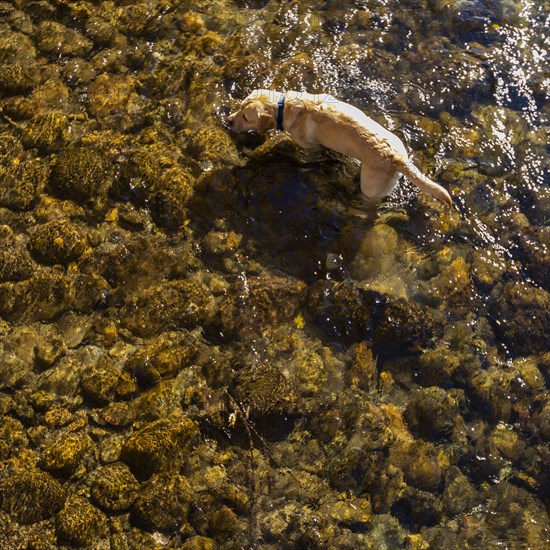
(258, 112)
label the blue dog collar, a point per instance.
(281, 106)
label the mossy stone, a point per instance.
(21, 186)
(31, 496)
(13, 436)
(62, 458)
(80, 174)
(432, 413)
(48, 295)
(520, 315)
(57, 242)
(107, 382)
(80, 523)
(163, 504)
(18, 79)
(55, 38)
(113, 487)
(158, 445)
(264, 389)
(403, 326)
(45, 132)
(176, 304)
(15, 263)
(163, 358)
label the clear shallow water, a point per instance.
(210, 340)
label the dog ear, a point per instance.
(266, 123)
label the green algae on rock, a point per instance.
(432, 413)
(21, 186)
(63, 456)
(175, 304)
(79, 523)
(163, 504)
(163, 357)
(31, 495)
(158, 445)
(113, 487)
(80, 174)
(57, 242)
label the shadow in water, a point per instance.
(288, 218)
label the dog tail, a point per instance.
(407, 168)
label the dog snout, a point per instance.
(229, 120)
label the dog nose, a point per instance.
(229, 121)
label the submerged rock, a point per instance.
(162, 358)
(432, 413)
(80, 523)
(21, 186)
(31, 496)
(57, 242)
(163, 504)
(403, 326)
(80, 174)
(55, 38)
(175, 304)
(113, 487)
(48, 295)
(18, 79)
(264, 389)
(159, 445)
(344, 310)
(520, 315)
(63, 456)
(45, 131)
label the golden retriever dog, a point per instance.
(314, 121)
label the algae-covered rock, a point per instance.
(425, 466)
(18, 79)
(16, 47)
(80, 174)
(113, 487)
(63, 456)
(263, 389)
(159, 445)
(80, 523)
(268, 300)
(21, 186)
(213, 146)
(49, 295)
(169, 198)
(107, 382)
(520, 315)
(57, 242)
(15, 262)
(403, 326)
(13, 436)
(31, 496)
(164, 357)
(151, 176)
(432, 413)
(343, 310)
(45, 131)
(176, 304)
(113, 98)
(55, 38)
(163, 504)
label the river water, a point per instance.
(212, 340)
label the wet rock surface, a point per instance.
(210, 341)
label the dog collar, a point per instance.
(280, 108)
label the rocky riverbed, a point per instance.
(210, 341)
